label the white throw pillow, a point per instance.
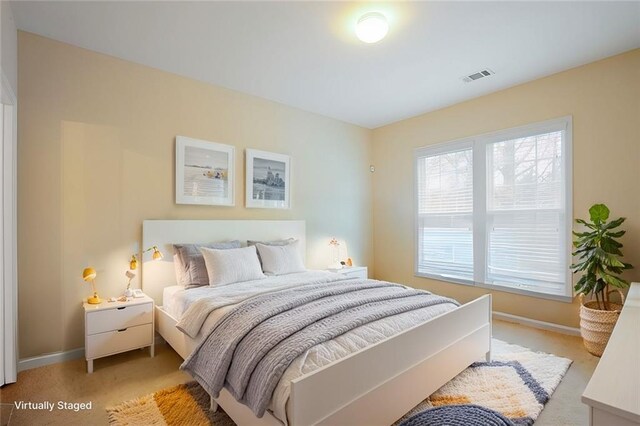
(231, 265)
(280, 260)
(194, 271)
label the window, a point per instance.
(495, 210)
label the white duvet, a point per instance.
(178, 301)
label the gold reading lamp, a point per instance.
(89, 274)
(157, 255)
(133, 265)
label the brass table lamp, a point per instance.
(89, 274)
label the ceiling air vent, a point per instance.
(477, 75)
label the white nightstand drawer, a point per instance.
(116, 341)
(354, 272)
(118, 318)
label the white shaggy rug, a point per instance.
(517, 383)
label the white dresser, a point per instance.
(114, 327)
(613, 393)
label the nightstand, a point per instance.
(352, 272)
(114, 327)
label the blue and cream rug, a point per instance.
(510, 390)
(516, 384)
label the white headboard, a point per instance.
(156, 275)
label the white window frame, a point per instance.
(8, 250)
(480, 249)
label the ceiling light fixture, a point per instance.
(372, 27)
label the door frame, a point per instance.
(8, 221)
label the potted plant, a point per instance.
(598, 252)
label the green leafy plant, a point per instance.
(598, 252)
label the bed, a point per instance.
(375, 384)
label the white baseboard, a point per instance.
(543, 325)
(52, 358)
(55, 357)
(39, 361)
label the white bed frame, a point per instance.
(374, 386)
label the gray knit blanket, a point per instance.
(249, 348)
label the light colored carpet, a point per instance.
(126, 376)
(517, 383)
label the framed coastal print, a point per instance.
(204, 172)
(268, 180)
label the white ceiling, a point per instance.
(305, 54)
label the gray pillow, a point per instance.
(272, 243)
(191, 262)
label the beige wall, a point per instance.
(604, 100)
(96, 158)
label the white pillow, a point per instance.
(280, 260)
(231, 265)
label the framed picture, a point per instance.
(268, 180)
(204, 172)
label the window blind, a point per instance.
(494, 210)
(445, 214)
(525, 213)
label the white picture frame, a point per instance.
(268, 180)
(205, 172)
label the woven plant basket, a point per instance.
(596, 325)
